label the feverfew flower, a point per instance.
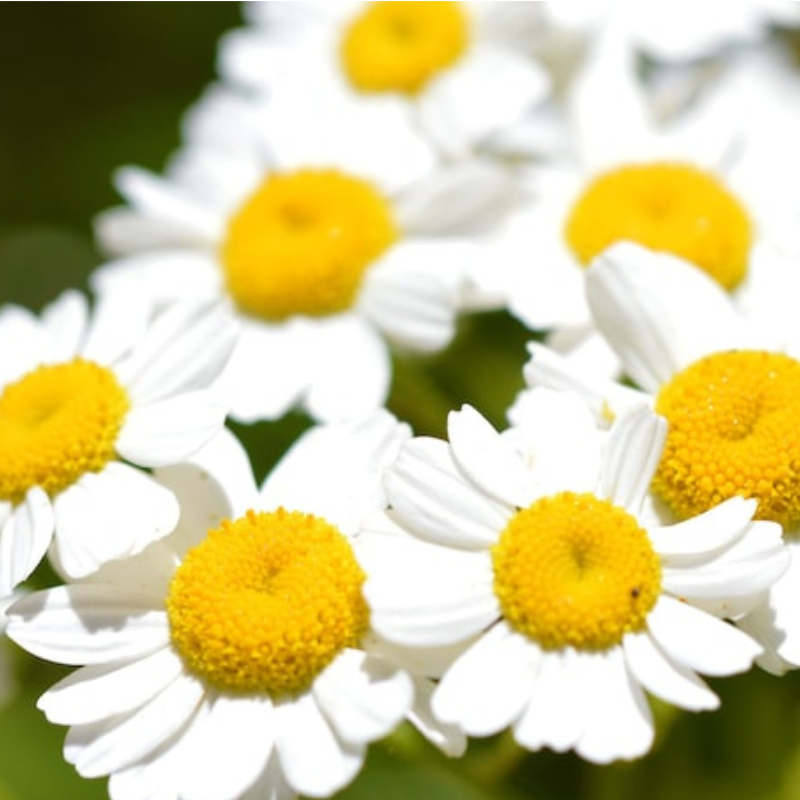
(529, 545)
(330, 244)
(233, 658)
(439, 64)
(729, 388)
(86, 400)
(697, 188)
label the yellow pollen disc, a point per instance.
(57, 423)
(302, 243)
(668, 207)
(265, 603)
(734, 429)
(399, 47)
(572, 570)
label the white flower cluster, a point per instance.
(624, 183)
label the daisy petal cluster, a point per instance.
(88, 400)
(242, 642)
(441, 386)
(530, 549)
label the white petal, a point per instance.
(775, 622)
(230, 749)
(452, 598)
(450, 739)
(66, 321)
(271, 784)
(733, 582)
(703, 536)
(659, 312)
(606, 399)
(122, 231)
(336, 470)
(100, 691)
(120, 317)
(363, 697)
(156, 776)
(350, 372)
(184, 349)
(432, 661)
(666, 679)
(263, 352)
(618, 720)
(212, 484)
(23, 342)
(162, 276)
(489, 686)
(361, 138)
(87, 624)
(487, 459)
(315, 762)
(631, 457)
(462, 105)
(24, 539)
(555, 715)
(168, 431)
(700, 641)
(457, 200)
(101, 748)
(411, 293)
(430, 496)
(156, 198)
(607, 106)
(560, 440)
(108, 515)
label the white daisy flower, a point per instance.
(327, 243)
(85, 402)
(440, 64)
(728, 386)
(233, 658)
(697, 188)
(531, 546)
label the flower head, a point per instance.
(330, 247)
(700, 188)
(531, 549)
(437, 64)
(86, 400)
(235, 655)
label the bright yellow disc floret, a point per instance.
(669, 207)
(572, 570)
(734, 429)
(266, 602)
(399, 47)
(302, 243)
(57, 423)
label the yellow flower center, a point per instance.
(57, 423)
(734, 429)
(265, 603)
(302, 243)
(669, 207)
(572, 570)
(399, 47)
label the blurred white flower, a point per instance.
(333, 243)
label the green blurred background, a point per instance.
(87, 87)
(84, 88)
